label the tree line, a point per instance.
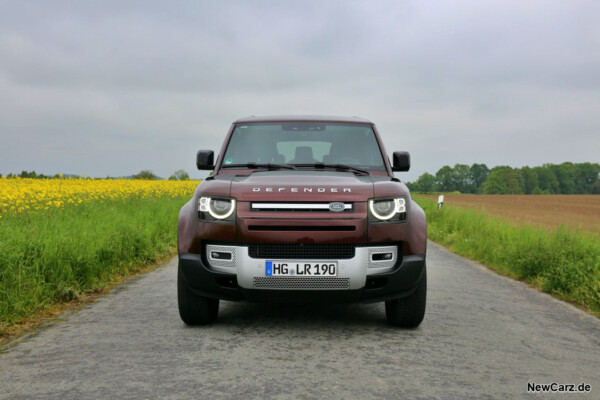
(34, 175)
(565, 178)
(179, 175)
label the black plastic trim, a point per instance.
(399, 283)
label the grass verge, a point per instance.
(564, 262)
(53, 259)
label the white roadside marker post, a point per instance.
(440, 201)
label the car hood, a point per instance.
(302, 186)
(308, 185)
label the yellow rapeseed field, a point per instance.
(20, 195)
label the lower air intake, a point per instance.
(302, 251)
(284, 282)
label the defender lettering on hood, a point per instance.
(303, 190)
(302, 209)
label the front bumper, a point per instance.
(358, 280)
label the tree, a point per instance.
(546, 180)
(565, 174)
(145, 174)
(426, 183)
(444, 178)
(530, 180)
(26, 174)
(479, 173)
(462, 178)
(503, 180)
(565, 178)
(179, 175)
(458, 178)
(586, 176)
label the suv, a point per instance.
(302, 209)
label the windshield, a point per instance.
(304, 143)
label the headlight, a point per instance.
(387, 209)
(217, 208)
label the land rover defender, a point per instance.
(302, 209)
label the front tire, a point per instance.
(194, 309)
(408, 312)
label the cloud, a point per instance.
(112, 88)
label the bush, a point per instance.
(179, 175)
(145, 174)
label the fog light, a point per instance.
(220, 255)
(382, 257)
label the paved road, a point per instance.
(484, 336)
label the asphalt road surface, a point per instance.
(484, 336)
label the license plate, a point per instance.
(300, 268)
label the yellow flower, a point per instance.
(42, 194)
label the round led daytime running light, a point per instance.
(399, 207)
(224, 216)
(204, 206)
(379, 216)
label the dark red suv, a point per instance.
(302, 209)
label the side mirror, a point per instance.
(205, 159)
(401, 161)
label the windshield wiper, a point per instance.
(252, 165)
(337, 166)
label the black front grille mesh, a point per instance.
(303, 251)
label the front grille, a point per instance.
(284, 282)
(303, 251)
(301, 207)
(303, 228)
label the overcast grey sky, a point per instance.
(113, 87)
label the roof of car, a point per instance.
(295, 118)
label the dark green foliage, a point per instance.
(462, 178)
(32, 174)
(547, 181)
(445, 179)
(426, 183)
(503, 180)
(565, 175)
(565, 178)
(586, 177)
(179, 175)
(530, 180)
(479, 173)
(145, 174)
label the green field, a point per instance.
(48, 259)
(564, 262)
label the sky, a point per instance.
(109, 88)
